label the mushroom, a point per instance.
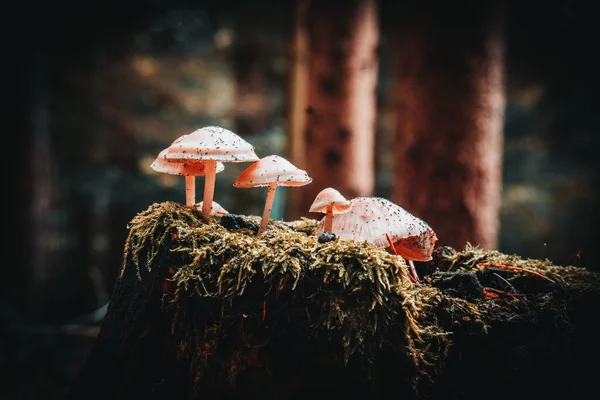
(217, 210)
(271, 171)
(384, 224)
(210, 145)
(330, 201)
(188, 169)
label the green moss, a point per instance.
(355, 295)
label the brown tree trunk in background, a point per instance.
(340, 126)
(450, 102)
(298, 100)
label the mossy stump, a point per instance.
(204, 309)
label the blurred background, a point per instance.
(479, 117)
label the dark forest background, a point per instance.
(99, 88)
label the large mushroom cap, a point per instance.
(272, 169)
(211, 143)
(372, 217)
(180, 167)
(330, 197)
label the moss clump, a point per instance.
(356, 294)
(523, 278)
(149, 231)
(232, 296)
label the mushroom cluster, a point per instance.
(205, 149)
(385, 224)
(373, 219)
(203, 152)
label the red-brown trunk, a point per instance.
(450, 102)
(340, 126)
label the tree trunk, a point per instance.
(298, 101)
(450, 103)
(341, 108)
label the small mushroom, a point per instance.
(330, 201)
(188, 169)
(271, 171)
(216, 211)
(210, 145)
(385, 224)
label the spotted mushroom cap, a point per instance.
(272, 169)
(372, 217)
(330, 197)
(217, 210)
(180, 167)
(211, 143)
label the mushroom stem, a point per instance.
(329, 219)
(190, 190)
(209, 186)
(268, 208)
(413, 270)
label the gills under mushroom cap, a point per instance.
(180, 167)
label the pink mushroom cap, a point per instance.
(330, 197)
(372, 217)
(272, 169)
(211, 143)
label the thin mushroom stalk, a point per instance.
(209, 186)
(268, 208)
(188, 168)
(329, 219)
(190, 190)
(413, 270)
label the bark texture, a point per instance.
(450, 101)
(341, 110)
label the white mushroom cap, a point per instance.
(372, 217)
(217, 210)
(272, 169)
(180, 167)
(330, 197)
(211, 143)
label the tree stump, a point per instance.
(205, 309)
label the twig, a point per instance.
(513, 268)
(506, 282)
